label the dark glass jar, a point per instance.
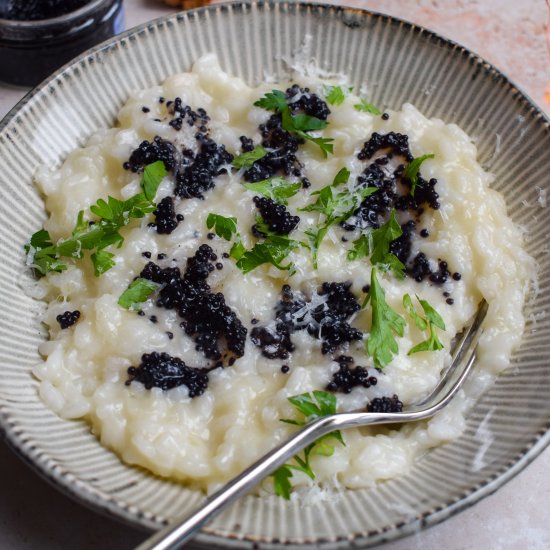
(31, 50)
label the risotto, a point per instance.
(225, 251)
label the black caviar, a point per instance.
(149, 152)
(327, 321)
(385, 405)
(347, 378)
(394, 192)
(398, 143)
(165, 216)
(282, 145)
(183, 114)
(198, 177)
(276, 216)
(68, 318)
(215, 328)
(160, 370)
(194, 172)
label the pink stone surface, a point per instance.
(514, 36)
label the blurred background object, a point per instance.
(39, 36)
(187, 4)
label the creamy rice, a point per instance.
(208, 439)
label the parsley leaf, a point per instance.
(386, 323)
(325, 144)
(312, 405)
(365, 107)
(299, 124)
(273, 250)
(341, 177)
(224, 227)
(137, 292)
(433, 319)
(41, 253)
(420, 322)
(273, 101)
(153, 174)
(103, 261)
(336, 208)
(315, 237)
(281, 481)
(377, 243)
(246, 160)
(412, 170)
(431, 314)
(237, 250)
(336, 95)
(44, 256)
(276, 188)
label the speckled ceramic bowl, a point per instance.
(400, 62)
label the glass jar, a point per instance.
(31, 50)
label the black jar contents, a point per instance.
(34, 10)
(39, 36)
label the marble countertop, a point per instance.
(514, 36)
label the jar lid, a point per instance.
(65, 25)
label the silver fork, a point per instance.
(463, 357)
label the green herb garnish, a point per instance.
(312, 405)
(276, 188)
(376, 244)
(103, 261)
(432, 319)
(335, 206)
(412, 170)
(386, 323)
(224, 227)
(153, 174)
(44, 256)
(246, 160)
(273, 250)
(137, 292)
(366, 107)
(298, 125)
(237, 250)
(273, 101)
(336, 95)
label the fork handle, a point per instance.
(182, 529)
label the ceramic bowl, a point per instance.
(401, 63)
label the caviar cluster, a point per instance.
(347, 378)
(385, 405)
(327, 321)
(215, 328)
(376, 207)
(166, 219)
(282, 145)
(184, 114)
(276, 216)
(68, 318)
(198, 176)
(161, 370)
(194, 172)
